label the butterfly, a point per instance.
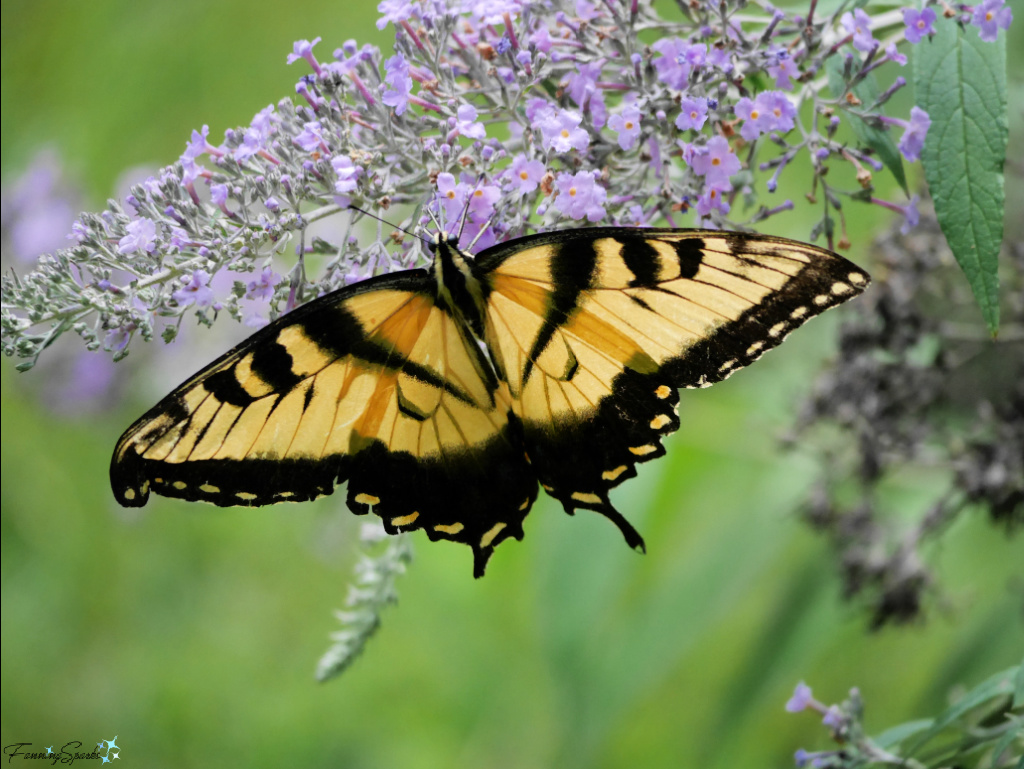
(445, 396)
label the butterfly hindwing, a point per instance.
(595, 329)
(375, 384)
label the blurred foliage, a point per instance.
(192, 632)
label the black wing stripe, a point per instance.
(641, 259)
(225, 387)
(273, 364)
(691, 255)
(572, 272)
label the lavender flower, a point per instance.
(627, 125)
(712, 200)
(466, 123)
(892, 53)
(919, 23)
(482, 200)
(674, 65)
(802, 698)
(716, 162)
(755, 118)
(196, 291)
(721, 58)
(579, 196)
(989, 17)
(834, 717)
(912, 141)
(783, 70)
(396, 11)
(397, 77)
(581, 85)
(770, 111)
(303, 49)
(562, 132)
(347, 173)
(911, 216)
(781, 112)
(219, 196)
(311, 139)
(693, 113)
(858, 26)
(141, 237)
(452, 195)
(372, 590)
(525, 174)
(263, 288)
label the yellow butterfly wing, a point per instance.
(595, 330)
(375, 384)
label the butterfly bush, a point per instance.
(504, 119)
(527, 116)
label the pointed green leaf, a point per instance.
(892, 737)
(999, 685)
(876, 138)
(1015, 730)
(960, 81)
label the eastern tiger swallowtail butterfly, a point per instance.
(444, 396)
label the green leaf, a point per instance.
(1018, 693)
(999, 685)
(1015, 730)
(960, 81)
(891, 737)
(876, 138)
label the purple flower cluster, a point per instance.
(518, 117)
(837, 718)
(989, 16)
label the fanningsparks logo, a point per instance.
(105, 751)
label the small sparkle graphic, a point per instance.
(109, 748)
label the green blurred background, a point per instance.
(192, 633)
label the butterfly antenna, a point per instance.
(433, 218)
(465, 211)
(390, 224)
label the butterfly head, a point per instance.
(448, 239)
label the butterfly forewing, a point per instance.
(595, 330)
(376, 385)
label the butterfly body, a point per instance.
(386, 384)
